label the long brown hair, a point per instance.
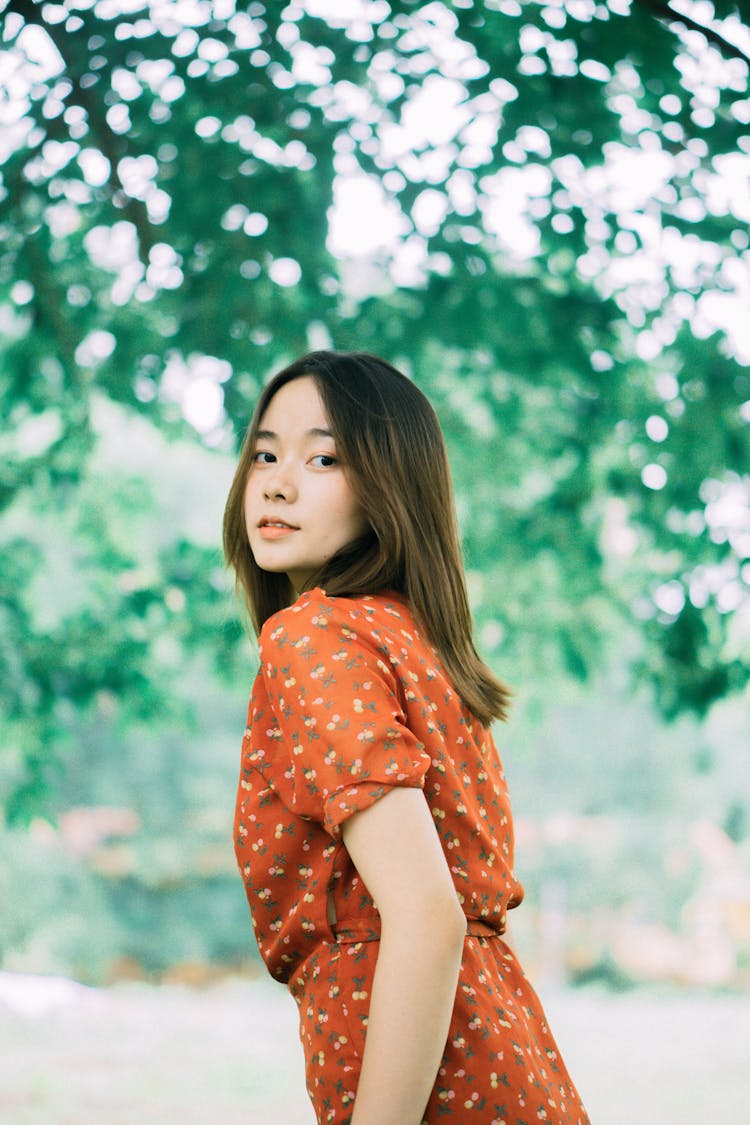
(390, 442)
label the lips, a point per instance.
(267, 521)
(269, 528)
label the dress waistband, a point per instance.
(362, 931)
(475, 927)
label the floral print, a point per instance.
(350, 700)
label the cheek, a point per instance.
(248, 499)
(350, 512)
(251, 486)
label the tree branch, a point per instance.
(662, 11)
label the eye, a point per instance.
(323, 460)
(263, 457)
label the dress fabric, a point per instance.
(349, 701)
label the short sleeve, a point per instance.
(334, 705)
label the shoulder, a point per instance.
(317, 618)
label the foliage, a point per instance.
(568, 256)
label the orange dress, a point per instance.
(349, 701)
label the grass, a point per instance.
(136, 1053)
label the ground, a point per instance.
(134, 1054)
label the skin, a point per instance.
(395, 848)
(296, 480)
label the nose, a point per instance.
(279, 483)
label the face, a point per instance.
(299, 508)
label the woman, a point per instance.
(373, 828)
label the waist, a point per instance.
(361, 930)
(358, 931)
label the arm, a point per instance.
(395, 847)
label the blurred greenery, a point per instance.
(565, 274)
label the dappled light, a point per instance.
(540, 212)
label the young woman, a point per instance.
(373, 828)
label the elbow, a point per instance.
(446, 929)
(447, 913)
(456, 923)
(439, 917)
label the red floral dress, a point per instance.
(349, 701)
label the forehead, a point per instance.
(297, 403)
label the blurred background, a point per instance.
(540, 212)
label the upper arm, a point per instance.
(396, 849)
(335, 728)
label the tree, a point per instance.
(565, 183)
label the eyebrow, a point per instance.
(269, 435)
